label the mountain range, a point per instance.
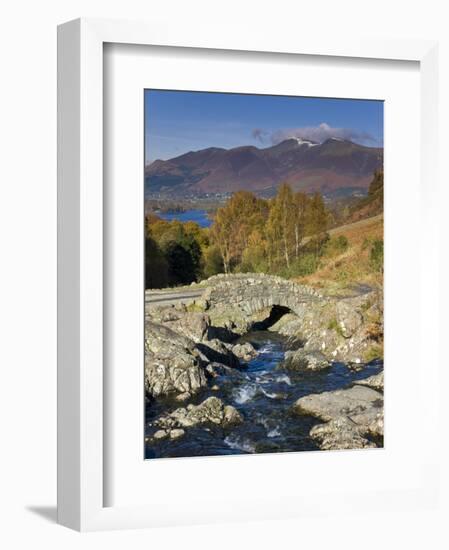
(335, 167)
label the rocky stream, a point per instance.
(249, 369)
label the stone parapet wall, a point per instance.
(252, 292)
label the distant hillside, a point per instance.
(339, 271)
(334, 167)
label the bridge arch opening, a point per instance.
(276, 312)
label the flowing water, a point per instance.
(264, 393)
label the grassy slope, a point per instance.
(339, 272)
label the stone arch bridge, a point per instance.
(251, 293)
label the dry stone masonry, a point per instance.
(253, 292)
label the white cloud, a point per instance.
(318, 134)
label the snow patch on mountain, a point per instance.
(300, 141)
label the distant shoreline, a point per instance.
(196, 215)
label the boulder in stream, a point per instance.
(376, 382)
(339, 434)
(172, 363)
(210, 411)
(244, 351)
(216, 351)
(353, 416)
(301, 359)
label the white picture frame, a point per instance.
(81, 387)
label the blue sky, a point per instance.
(178, 122)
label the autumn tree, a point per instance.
(234, 223)
(179, 245)
(255, 254)
(213, 261)
(376, 187)
(300, 204)
(316, 221)
(280, 225)
(221, 234)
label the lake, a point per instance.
(197, 216)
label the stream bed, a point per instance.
(263, 392)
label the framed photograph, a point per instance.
(235, 289)
(263, 274)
